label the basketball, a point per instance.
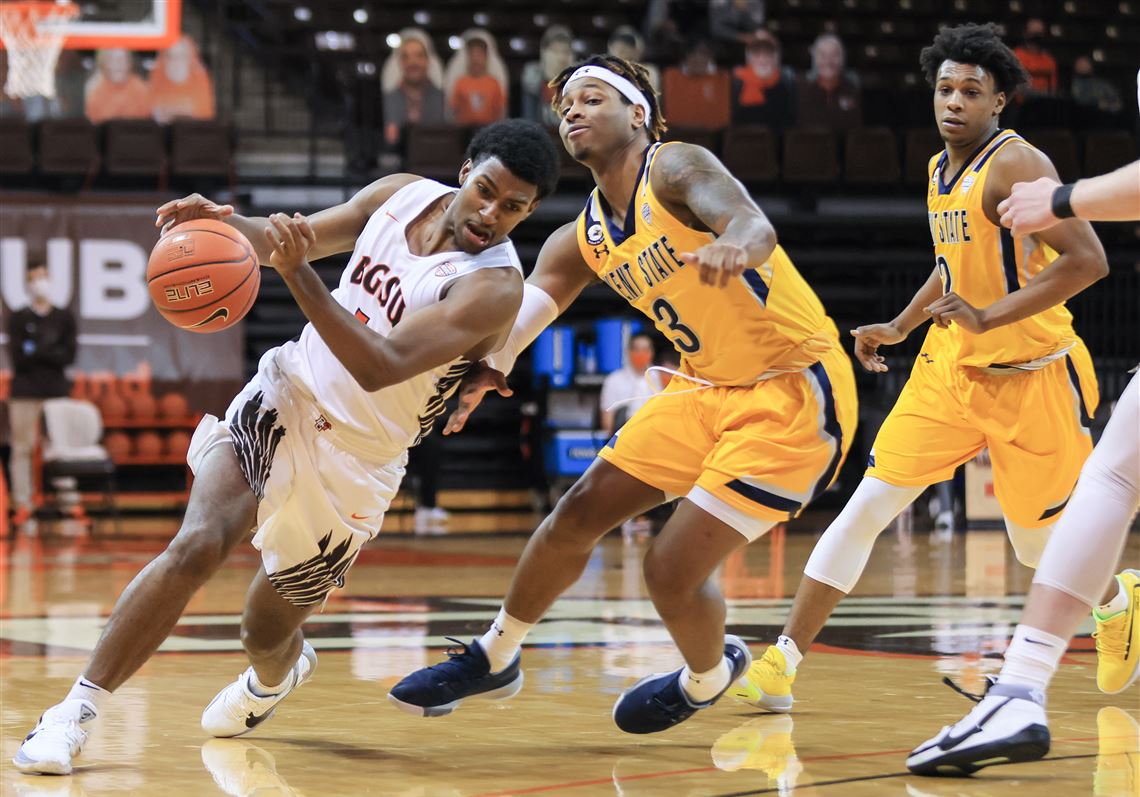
(203, 276)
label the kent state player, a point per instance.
(1083, 550)
(1001, 367)
(312, 451)
(753, 429)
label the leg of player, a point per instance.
(831, 572)
(221, 511)
(280, 658)
(1078, 561)
(553, 560)
(678, 568)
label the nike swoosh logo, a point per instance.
(1037, 642)
(222, 313)
(360, 517)
(252, 721)
(952, 741)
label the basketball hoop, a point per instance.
(33, 35)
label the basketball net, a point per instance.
(33, 36)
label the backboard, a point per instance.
(131, 24)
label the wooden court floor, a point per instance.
(866, 694)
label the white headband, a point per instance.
(627, 89)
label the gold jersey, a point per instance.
(982, 262)
(766, 321)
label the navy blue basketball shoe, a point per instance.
(657, 702)
(438, 690)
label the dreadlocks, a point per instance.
(633, 72)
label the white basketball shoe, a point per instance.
(1007, 726)
(236, 709)
(57, 739)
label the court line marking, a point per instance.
(805, 760)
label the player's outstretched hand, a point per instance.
(189, 208)
(869, 338)
(291, 238)
(1029, 207)
(952, 307)
(479, 381)
(718, 262)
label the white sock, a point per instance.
(503, 639)
(702, 687)
(792, 654)
(1032, 658)
(261, 690)
(1118, 603)
(83, 689)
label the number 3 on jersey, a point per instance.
(684, 337)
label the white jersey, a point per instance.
(383, 284)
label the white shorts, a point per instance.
(317, 504)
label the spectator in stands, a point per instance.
(829, 95)
(1093, 91)
(555, 54)
(180, 86)
(736, 20)
(669, 24)
(628, 384)
(697, 94)
(1040, 65)
(115, 90)
(763, 92)
(477, 92)
(41, 343)
(411, 79)
(625, 42)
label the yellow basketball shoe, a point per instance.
(763, 744)
(1118, 758)
(767, 684)
(1118, 640)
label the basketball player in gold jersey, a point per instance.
(1001, 367)
(756, 425)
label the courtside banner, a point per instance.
(96, 254)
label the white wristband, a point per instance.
(536, 313)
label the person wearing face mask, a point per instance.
(1038, 62)
(629, 385)
(41, 343)
(829, 95)
(763, 92)
(180, 86)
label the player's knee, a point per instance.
(576, 514)
(261, 641)
(666, 578)
(1112, 480)
(197, 550)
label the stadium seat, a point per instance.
(749, 152)
(709, 139)
(68, 147)
(810, 156)
(16, 154)
(1061, 147)
(134, 148)
(434, 150)
(919, 144)
(871, 157)
(201, 149)
(1107, 150)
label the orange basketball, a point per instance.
(177, 444)
(173, 405)
(203, 275)
(148, 444)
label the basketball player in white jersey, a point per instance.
(1082, 553)
(312, 451)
